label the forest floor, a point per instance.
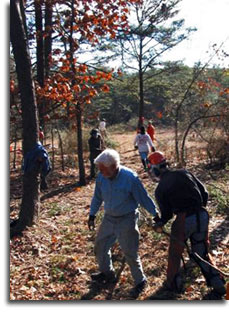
(54, 258)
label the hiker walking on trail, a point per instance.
(44, 173)
(95, 148)
(180, 193)
(151, 131)
(121, 191)
(143, 143)
(102, 128)
(41, 135)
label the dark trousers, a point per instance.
(189, 228)
(92, 173)
(44, 184)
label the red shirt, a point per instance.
(41, 135)
(151, 132)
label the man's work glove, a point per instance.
(91, 222)
(158, 225)
(136, 147)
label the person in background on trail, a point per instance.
(43, 185)
(102, 128)
(143, 143)
(121, 191)
(41, 135)
(38, 157)
(180, 193)
(95, 148)
(151, 131)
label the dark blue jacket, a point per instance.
(36, 157)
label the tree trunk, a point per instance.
(30, 198)
(141, 90)
(40, 55)
(53, 149)
(190, 125)
(61, 147)
(82, 180)
(15, 148)
(141, 103)
(48, 37)
(176, 139)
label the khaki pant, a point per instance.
(125, 230)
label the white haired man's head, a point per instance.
(108, 157)
(108, 162)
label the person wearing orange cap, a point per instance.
(180, 193)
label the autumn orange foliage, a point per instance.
(73, 82)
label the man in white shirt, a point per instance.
(102, 128)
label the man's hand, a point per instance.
(91, 223)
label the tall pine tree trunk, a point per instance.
(30, 198)
(141, 89)
(40, 54)
(48, 35)
(82, 180)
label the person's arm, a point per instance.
(100, 144)
(202, 189)
(141, 196)
(96, 200)
(136, 142)
(150, 143)
(165, 210)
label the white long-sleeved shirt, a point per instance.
(102, 126)
(143, 142)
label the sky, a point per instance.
(210, 17)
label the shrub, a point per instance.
(69, 139)
(218, 152)
(220, 197)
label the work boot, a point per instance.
(217, 283)
(176, 285)
(103, 278)
(212, 295)
(135, 292)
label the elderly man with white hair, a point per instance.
(122, 192)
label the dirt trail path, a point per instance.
(128, 155)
